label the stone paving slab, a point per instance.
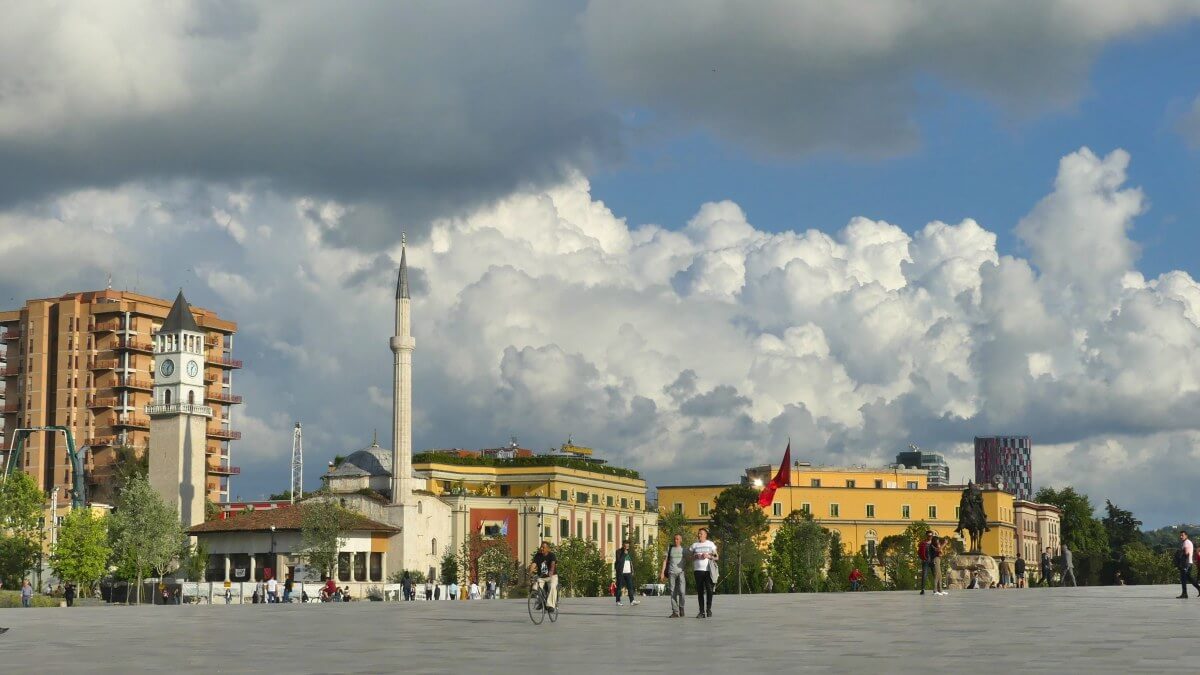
(1069, 630)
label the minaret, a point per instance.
(402, 344)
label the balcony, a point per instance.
(225, 362)
(12, 408)
(131, 345)
(224, 434)
(133, 423)
(12, 334)
(178, 409)
(134, 383)
(12, 370)
(212, 342)
(110, 326)
(220, 396)
(99, 441)
(102, 364)
(224, 470)
(102, 402)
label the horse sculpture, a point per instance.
(971, 516)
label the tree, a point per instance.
(670, 524)
(796, 557)
(82, 551)
(20, 530)
(473, 549)
(582, 570)
(1081, 531)
(738, 525)
(1167, 538)
(193, 560)
(496, 563)
(1122, 530)
(898, 555)
(323, 526)
(647, 564)
(449, 567)
(1147, 566)
(837, 578)
(144, 532)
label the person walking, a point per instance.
(704, 553)
(923, 554)
(1068, 566)
(1005, 573)
(228, 596)
(1183, 560)
(428, 590)
(473, 593)
(623, 569)
(770, 586)
(1046, 570)
(406, 586)
(453, 590)
(673, 574)
(26, 594)
(288, 585)
(1019, 566)
(934, 553)
(69, 594)
(272, 590)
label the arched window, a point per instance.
(420, 509)
(872, 540)
(167, 396)
(433, 547)
(191, 398)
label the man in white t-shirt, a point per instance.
(272, 589)
(703, 553)
(623, 570)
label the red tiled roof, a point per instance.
(283, 518)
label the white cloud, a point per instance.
(688, 353)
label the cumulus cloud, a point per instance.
(793, 76)
(688, 353)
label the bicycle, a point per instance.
(537, 603)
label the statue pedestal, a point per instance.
(959, 568)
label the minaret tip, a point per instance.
(402, 277)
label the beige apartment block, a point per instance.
(86, 361)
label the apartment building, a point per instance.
(86, 361)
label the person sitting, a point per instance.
(974, 583)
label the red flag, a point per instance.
(782, 477)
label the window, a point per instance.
(624, 502)
(581, 497)
(678, 507)
(878, 484)
(958, 512)
(833, 511)
(912, 485)
(564, 528)
(816, 482)
(546, 534)
(609, 501)
(806, 508)
(905, 512)
(433, 546)
(872, 540)
(850, 483)
(579, 529)
(870, 510)
(376, 567)
(608, 530)
(704, 508)
(595, 499)
(777, 509)
(933, 512)
(563, 496)
(637, 504)
(360, 566)
(595, 530)
(343, 567)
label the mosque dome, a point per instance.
(370, 461)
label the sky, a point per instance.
(680, 233)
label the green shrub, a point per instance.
(13, 599)
(540, 460)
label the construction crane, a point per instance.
(297, 463)
(79, 491)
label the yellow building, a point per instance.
(863, 505)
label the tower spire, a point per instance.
(402, 277)
(402, 345)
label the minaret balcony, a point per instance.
(225, 362)
(224, 434)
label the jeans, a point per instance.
(704, 589)
(26, 602)
(625, 581)
(926, 571)
(271, 597)
(287, 595)
(677, 584)
(1185, 578)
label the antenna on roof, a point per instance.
(109, 285)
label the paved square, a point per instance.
(1083, 630)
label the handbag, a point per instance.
(713, 571)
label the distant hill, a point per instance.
(1168, 537)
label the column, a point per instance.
(228, 565)
(252, 561)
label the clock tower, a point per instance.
(178, 416)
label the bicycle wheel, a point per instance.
(537, 610)
(554, 612)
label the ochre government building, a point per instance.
(864, 505)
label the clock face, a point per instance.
(192, 368)
(167, 368)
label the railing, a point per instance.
(221, 397)
(12, 407)
(225, 362)
(133, 383)
(212, 342)
(178, 408)
(99, 441)
(101, 402)
(102, 364)
(210, 377)
(134, 422)
(107, 326)
(227, 434)
(12, 334)
(12, 369)
(224, 470)
(128, 344)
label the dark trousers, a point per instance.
(926, 572)
(625, 581)
(1185, 578)
(704, 590)
(1047, 575)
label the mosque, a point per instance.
(413, 510)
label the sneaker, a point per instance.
(674, 615)
(618, 603)
(700, 615)
(922, 592)
(709, 615)
(1182, 596)
(635, 602)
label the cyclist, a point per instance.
(545, 566)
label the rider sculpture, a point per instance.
(971, 516)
